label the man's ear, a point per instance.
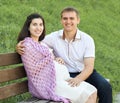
(78, 20)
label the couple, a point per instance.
(47, 73)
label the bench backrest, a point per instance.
(11, 72)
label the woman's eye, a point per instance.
(34, 24)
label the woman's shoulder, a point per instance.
(44, 44)
(28, 41)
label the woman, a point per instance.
(47, 79)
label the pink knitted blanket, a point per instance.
(39, 67)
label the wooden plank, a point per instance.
(13, 89)
(15, 73)
(53, 102)
(9, 58)
(12, 74)
(36, 100)
(44, 101)
(30, 100)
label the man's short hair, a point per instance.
(70, 9)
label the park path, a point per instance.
(117, 98)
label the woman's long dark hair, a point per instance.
(25, 30)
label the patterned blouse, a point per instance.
(39, 66)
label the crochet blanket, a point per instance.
(39, 66)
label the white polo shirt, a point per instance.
(73, 52)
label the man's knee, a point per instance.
(105, 88)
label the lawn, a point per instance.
(99, 18)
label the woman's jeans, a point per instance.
(104, 88)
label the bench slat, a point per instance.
(12, 74)
(36, 100)
(44, 101)
(13, 89)
(9, 58)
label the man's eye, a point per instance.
(71, 18)
(41, 24)
(64, 18)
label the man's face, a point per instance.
(69, 21)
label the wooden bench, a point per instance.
(13, 80)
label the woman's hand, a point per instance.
(59, 60)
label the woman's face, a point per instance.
(36, 28)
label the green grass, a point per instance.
(99, 18)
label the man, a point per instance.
(78, 51)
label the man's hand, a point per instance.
(20, 48)
(74, 82)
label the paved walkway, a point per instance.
(117, 99)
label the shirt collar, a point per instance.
(77, 37)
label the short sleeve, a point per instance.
(90, 48)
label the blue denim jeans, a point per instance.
(103, 86)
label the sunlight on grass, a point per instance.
(99, 18)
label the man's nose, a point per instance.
(68, 20)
